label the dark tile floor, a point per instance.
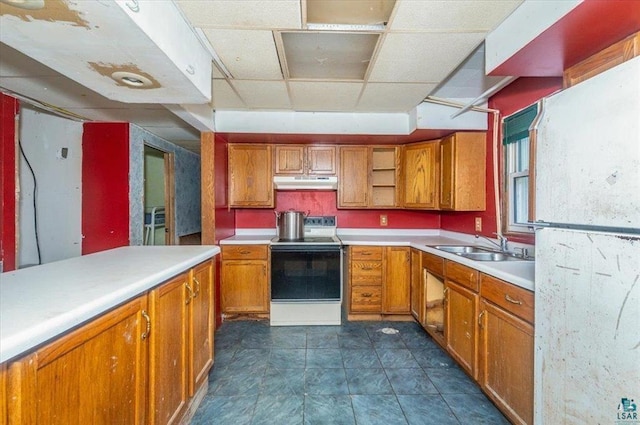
(349, 374)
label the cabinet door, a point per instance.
(506, 362)
(245, 286)
(201, 320)
(421, 175)
(96, 374)
(289, 159)
(417, 287)
(460, 326)
(321, 160)
(396, 292)
(353, 184)
(250, 176)
(168, 386)
(447, 175)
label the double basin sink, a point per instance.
(480, 254)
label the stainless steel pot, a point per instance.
(290, 224)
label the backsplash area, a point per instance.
(324, 203)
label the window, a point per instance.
(515, 131)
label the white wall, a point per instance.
(59, 187)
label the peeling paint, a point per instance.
(53, 11)
(107, 69)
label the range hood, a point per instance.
(305, 182)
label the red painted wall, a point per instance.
(105, 186)
(8, 109)
(518, 95)
(324, 203)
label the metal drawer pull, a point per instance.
(367, 295)
(511, 300)
(245, 252)
(480, 317)
(145, 334)
(191, 293)
(195, 279)
(366, 253)
(367, 268)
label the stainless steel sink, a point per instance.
(462, 249)
(478, 253)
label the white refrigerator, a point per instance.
(587, 324)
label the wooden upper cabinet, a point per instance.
(612, 56)
(301, 159)
(353, 183)
(421, 173)
(250, 176)
(463, 172)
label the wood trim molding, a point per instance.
(207, 195)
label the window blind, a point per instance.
(516, 126)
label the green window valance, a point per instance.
(516, 126)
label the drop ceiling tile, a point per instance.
(422, 57)
(324, 96)
(224, 97)
(263, 94)
(242, 14)
(384, 97)
(447, 15)
(247, 54)
(328, 55)
(363, 12)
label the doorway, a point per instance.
(158, 197)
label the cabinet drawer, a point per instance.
(510, 297)
(366, 298)
(465, 276)
(366, 273)
(433, 263)
(244, 252)
(366, 253)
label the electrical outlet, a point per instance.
(478, 224)
(383, 219)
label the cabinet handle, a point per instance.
(480, 317)
(511, 300)
(195, 279)
(191, 293)
(444, 295)
(145, 334)
(367, 295)
(367, 268)
(245, 252)
(366, 253)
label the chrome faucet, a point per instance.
(503, 241)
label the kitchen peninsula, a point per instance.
(137, 320)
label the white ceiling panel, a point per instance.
(422, 57)
(385, 97)
(224, 97)
(263, 94)
(324, 96)
(247, 54)
(447, 15)
(242, 14)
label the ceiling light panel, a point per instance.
(422, 57)
(263, 94)
(248, 55)
(447, 15)
(242, 14)
(224, 97)
(386, 97)
(354, 12)
(328, 56)
(324, 96)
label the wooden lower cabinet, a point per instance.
(139, 363)
(433, 288)
(245, 279)
(417, 287)
(396, 288)
(96, 374)
(461, 306)
(201, 326)
(506, 362)
(506, 349)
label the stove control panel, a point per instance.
(321, 221)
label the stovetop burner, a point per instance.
(318, 230)
(310, 239)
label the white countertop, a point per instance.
(520, 273)
(42, 302)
